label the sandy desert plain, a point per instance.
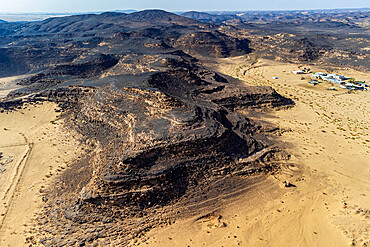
(326, 132)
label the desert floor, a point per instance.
(328, 135)
(33, 139)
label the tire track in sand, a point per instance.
(14, 187)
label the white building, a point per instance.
(340, 77)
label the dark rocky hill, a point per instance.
(33, 47)
(163, 137)
(107, 22)
(154, 140)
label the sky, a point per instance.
(70, 6)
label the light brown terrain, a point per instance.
(33, 139)
(328, 135)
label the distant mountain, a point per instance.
(106, 22)
(126, 11)
(348, 16)
(206, 17)
(1, 21)
(158, 15)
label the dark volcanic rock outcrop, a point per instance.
(213, 44)
(153, 145)
(88, 69)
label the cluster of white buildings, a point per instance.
(341, 80)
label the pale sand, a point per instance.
(8, 84)
(40, 150)
(328, 135)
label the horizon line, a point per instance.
(174, 11)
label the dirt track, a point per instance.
(39, 149)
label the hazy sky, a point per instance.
(172, 5)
